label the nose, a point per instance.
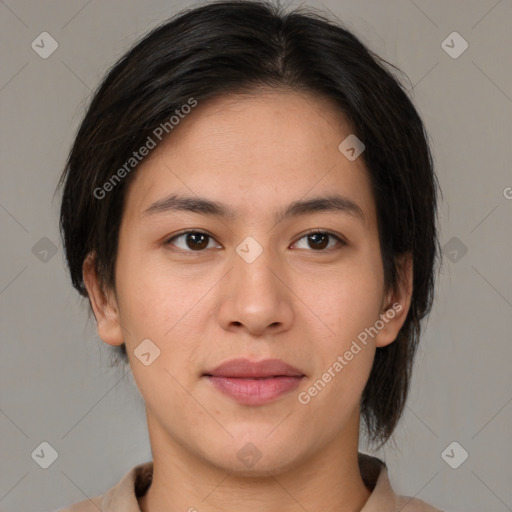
(256, 296)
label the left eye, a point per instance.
(320, 239)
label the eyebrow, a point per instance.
(330, 203)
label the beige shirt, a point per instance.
(123, 496)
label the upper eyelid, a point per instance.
(188, 231)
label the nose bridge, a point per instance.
(257, 297)
(254, 262)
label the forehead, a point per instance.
(273, 148)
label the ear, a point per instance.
(104, 305)
(396, 305)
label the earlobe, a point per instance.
(104, 305)
(397, 304)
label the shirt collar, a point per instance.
(124, 496)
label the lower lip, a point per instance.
(254, 391)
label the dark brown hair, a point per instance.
(241, 46)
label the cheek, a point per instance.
(153, 299)
(349, 303)
(345, 358)
(167, 309)
(346, 300)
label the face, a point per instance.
(265, 281)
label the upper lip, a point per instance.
(246, 368)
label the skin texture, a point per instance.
(256, 153)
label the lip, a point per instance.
(246, 368)
(254, 382)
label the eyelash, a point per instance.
(341, 241)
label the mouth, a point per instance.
(249, 369)
(254, 382)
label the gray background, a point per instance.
(56, 382)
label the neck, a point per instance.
(330, 480)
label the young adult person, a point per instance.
(250, 208)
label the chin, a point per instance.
(257, 457)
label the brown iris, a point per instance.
(199, 240)
(317, 237)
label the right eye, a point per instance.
(194, 241)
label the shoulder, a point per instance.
(375, 476)
(122, 497)
(409, 504)
(92, 505)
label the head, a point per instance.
(245, 105)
